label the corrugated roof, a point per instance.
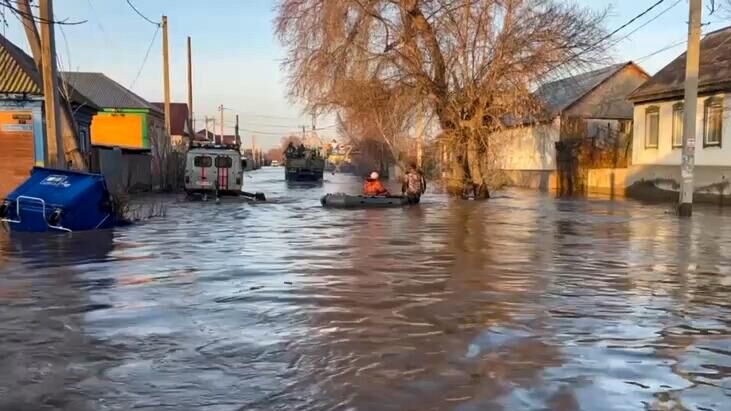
(714, 75)
(560, 94)
(105, 92)
(18, 73)
(178, 117)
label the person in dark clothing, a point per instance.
(414, 184)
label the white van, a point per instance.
(213, 169)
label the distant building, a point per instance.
(590, 110)
(658, 124)
(22, 128)
(123, 132)
(180, 123)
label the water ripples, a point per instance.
(521, 303)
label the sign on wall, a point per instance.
(16, 123)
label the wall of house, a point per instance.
(665, 153)
(22, 141)
(125, 171)
(527, 147)
(655, 172)
(609, 100)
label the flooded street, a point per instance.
(520, 303)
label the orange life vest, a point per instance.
(374, 188)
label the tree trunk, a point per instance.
(477, 174)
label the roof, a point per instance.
(19, 75)
(714, 75)
(178, 117)
(559, 95)
(105, 92)
(18, 72)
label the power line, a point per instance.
(646, 23)
(147, 55)
(30, 16)
(129, 2)
(632, 20)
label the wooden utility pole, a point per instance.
(50, 81)
(222, 128)
(236, 132)
(692, 63)
(166, 73)
(68, 125)
(206, 120)
(190, 83)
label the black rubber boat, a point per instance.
(351, 201)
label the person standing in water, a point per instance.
(414, 184)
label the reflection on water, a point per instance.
(521, 303)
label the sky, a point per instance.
(236, 57)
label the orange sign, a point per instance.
(16, 123)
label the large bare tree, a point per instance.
(473, 63)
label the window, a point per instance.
(678, 125)
(202, 161)
(652, 126)
(224, 162)
(712, 122)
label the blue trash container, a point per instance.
(59, 200)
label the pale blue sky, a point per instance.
(236, 56)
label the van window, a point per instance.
(202, 161)
(224, 162)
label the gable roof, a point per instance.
(105, 92)
(561, 94)
(19, 75)
(714, 75)
(18, 72)
(178, 118)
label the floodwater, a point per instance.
(524, 302)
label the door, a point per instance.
(16, 149)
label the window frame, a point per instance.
(678, 107)
(654, 110)
(707, 104)
(202, 156)
(228, 160)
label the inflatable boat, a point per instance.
(350, 201)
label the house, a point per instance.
(588, 110)
(180, 123)
(123, 132)
(658, 125)
(22, 128)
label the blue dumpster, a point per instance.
(59, 200)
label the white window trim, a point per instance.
(648, 111)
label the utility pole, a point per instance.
(68, 125)
(166, 72)
(253, 149)
(206, 120)
(221, 109)
(50, 81)
(236, 132)
(692, 62)
(190, 83)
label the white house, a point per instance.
(658, 125)
(591, 105)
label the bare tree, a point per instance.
(473, 63)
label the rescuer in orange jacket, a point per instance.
(373, 186)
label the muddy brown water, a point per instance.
(524, 302)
